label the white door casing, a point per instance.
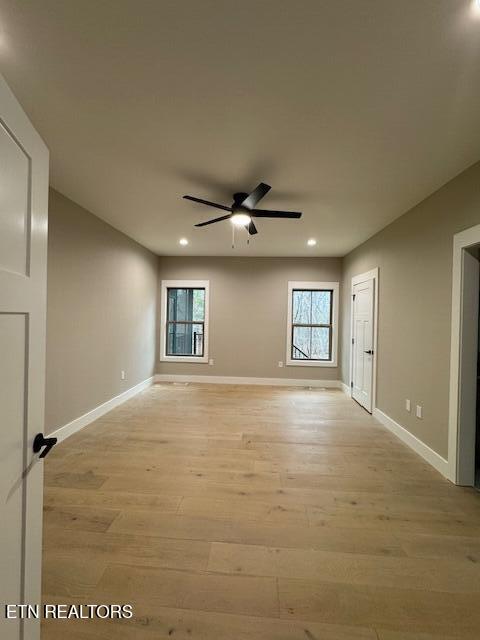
(23, 260)
(364, 342)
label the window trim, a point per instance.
(183, 284)
(313, 286)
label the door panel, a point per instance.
(23, 259)
(362, 370)
(14, 204)
(12, 419)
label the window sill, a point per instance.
(311, 363)
(189, 359)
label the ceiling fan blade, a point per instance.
(203, 224)
(251, 228)
(207, 202)
(265, 213)
(257, 194)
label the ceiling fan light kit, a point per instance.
(240, 219)
(242, 210)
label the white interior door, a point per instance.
(363, 342)
(23, 254)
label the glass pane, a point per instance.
(171, 299)
(311, 343)
(321, 306)
(301, 344)
(177, 304)
(184, 339)
(197, 339)
(302, 307)
(198, 304)
(320, 343)
(178, 339)
(186, 304)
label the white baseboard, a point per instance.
(79, 423)
(431, 456)
(346, 389)
(275, 382)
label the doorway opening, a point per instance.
(464, 418)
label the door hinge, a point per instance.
(353, 340)
(351, 384)
(353, 296)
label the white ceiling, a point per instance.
(353, 110)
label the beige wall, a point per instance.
(100, 315)
(248, 313)
(414, 255)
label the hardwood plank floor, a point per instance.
(256, 513)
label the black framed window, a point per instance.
(312, 324)
(185, 321)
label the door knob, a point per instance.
(40, 442)
(369, 352)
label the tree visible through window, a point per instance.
(185, 322)
(312, 324)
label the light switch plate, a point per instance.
(419, 412)
(408, 405)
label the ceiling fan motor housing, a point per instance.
(238, 198)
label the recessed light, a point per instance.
(240, 219)
(311, 242)
(183, 242)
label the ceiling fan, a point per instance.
(242, 211)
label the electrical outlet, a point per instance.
(408, 405)
(211, 362)
(123, 375)
(280, 364)
(419, 411)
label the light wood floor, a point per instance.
(256, 513)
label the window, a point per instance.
(184, 327)
(185, 321)
(312, 323)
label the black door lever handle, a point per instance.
(369, 352)
(40, 442)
